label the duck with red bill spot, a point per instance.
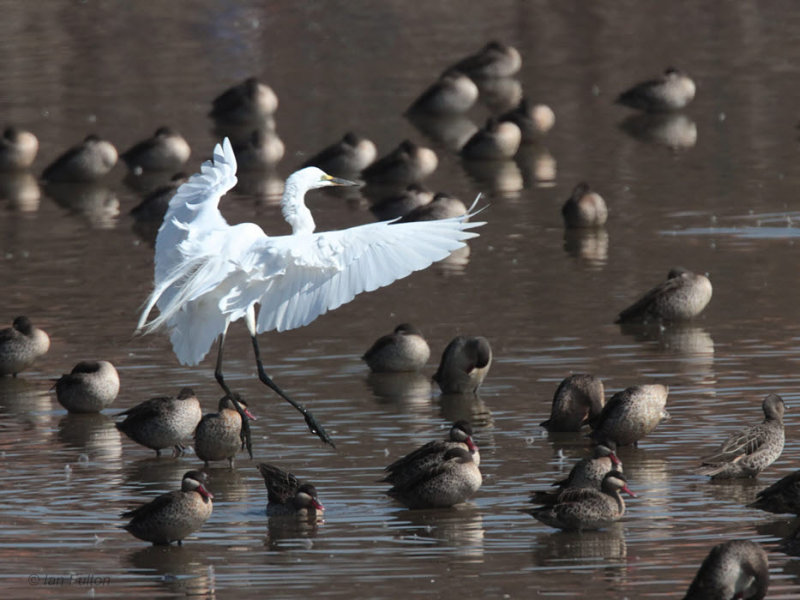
(175, 515)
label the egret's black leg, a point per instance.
(313, 426)
(247, 441)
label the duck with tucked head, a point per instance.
(91, 386)
(587, 509)
(403, 350)
(442, 206)
(247, 103)
(165, 150)
(219, 435)
(287, 496)
(672, 91)
(163, 422)
(681, 297)
(408, 163)
(175, 515)
(748, 452)
(495, 59)
(631, 414)
(18, 149)
(84, 163)
(20, 345)
(347, 157)
(464, 365)
(452, 94)
(533, 120)
(734, 570)
(584, 208)
(578, 399)
(497, 140)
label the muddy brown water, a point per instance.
(724, 204)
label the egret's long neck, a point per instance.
(294, 209)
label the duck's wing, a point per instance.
(421, 453)
(639, 309)
(297, 278)
(738, 446)
(281, 485)
(153, 407)
(153, 507)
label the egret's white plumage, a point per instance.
(209, 274)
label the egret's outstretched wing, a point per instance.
(193, 213)
(304, 276)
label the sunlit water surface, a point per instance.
(725, 204)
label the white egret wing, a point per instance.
(304, 276)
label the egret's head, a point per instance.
(312, 177)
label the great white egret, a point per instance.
(209, 274)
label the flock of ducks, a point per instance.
(440, 473)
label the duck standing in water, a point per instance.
(464, 365)
(631, 414)
(681, 297)
(587, 509)
(409, 468)
(450, 480)
(738, 569)
(287, 496)
(578, 399)
(672, 91)
(587, 473)
(163, 422)
(219, 435)
(748, 452)
(403, 350)
(20, 345)
(175, 515)
(91, 386)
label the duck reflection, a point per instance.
(673, 130)
(466, 407)
(181, 570)
(503, 177)
(587, 245)
(227, 484)
(290, 532)
(692, 344)
(155, 474)
(21, 190)
(92, 433)
(404, 390)
(27, 403)
(450, 131)
(456, 262)
(538, 167)
(94, 201)
(460, 527)
(607, 544)
(737, 491)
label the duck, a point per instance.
(345, 158)
(782, 497)
(86, 162)
(173, 516)
(403, 202)
(286, 496)
(464, 365)
(248, 102)
(165, 150)
(91, 386)
(452, 94)
(20, 346)
(442, 484)
(578, 399)
(497, 140)
(533, 120)
(584, 208)
(751, 450)
(18, 149)
(495, 59)
(737, 569)
(671, 91)
(441, 206)
(408, 163)
(587, 509)
(409, 468)
(262, 150)
(218, 435)
(587, 473)
(405, 349)
(162, 422)
(682, 297)
(154, 206)
(631, 414)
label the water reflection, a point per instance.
(673, 130)
(502, 177)
(607, 545)
(587, 245)
(467, 407)
(449, 131)
(737, 491)
(291, 532)
(404, 390)
(156, 473)
(538, 167)
(94, 201)
(264, 185)
(26, 402)
(227, 485)
(21, 190)
(459, 528)
(183, 570)
(94, 434)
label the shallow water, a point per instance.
(546, 301)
